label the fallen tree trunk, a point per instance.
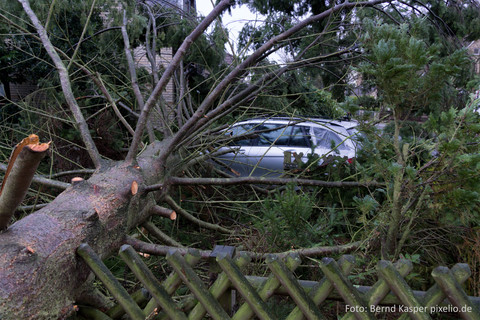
(40, 274)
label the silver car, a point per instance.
(269, 146)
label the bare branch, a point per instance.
(50, 183)
(69, 172)
(31, 207)
(164, 212)
(152, 58)
(197, 32)
(125, 107)
(270, 181)
(151, 49)
(133, 72)
(161, 250)
(65, 83)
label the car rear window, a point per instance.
(328, 139)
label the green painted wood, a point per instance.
(173, 281)
(401, 289)
(380, 289)
(322, 289)
(140, 297)
(453, 290)
(349, 294)
(306, 294)
(244, 288)
(307, 285)
(290, 283)
(92, 313)
(435, 296)
(196, 286)
(146, 277)
(110, 282)
(267, 289)
(218, 288)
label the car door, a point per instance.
(237, 160)
(267, 153)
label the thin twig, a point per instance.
(197, 221)
(74, 55)
(98, 81)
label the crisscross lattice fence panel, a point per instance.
(390, 293)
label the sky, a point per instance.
(234, 21)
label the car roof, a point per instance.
(301, 120)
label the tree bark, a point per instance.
(40, 274)
(23, 164)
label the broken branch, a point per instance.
(164, 212)
(21, 169)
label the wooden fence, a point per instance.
(390, 295)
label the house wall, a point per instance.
(162, 59)
(474, 52)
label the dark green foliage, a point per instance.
(286, 219)
(409, 74)
(321, 42)
(457, 18)
(294, 93)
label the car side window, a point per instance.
(328, 139)
(278, 137)
(268, 134)
(299, 137)
(239, 130)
